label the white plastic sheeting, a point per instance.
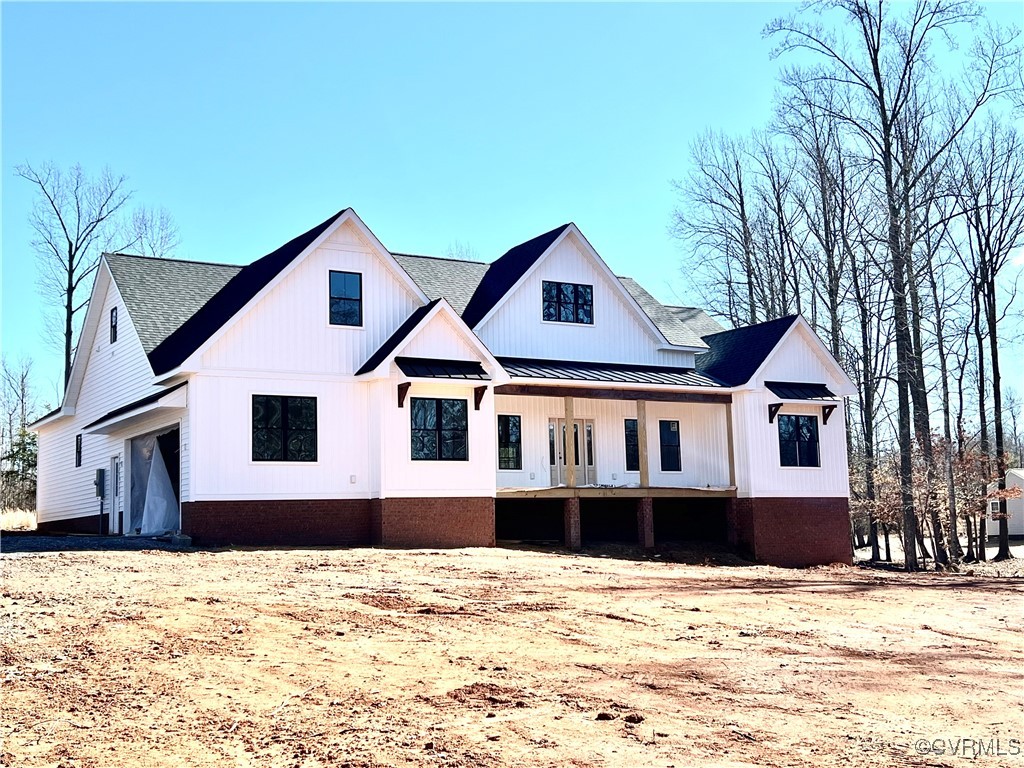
(154, 507)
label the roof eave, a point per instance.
(682, 348)
(50, 418)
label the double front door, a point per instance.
(583, 441)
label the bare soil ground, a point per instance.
(493, 657)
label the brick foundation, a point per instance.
(305, 522)
(792, 532)
(433, 522)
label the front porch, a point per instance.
(614, 463)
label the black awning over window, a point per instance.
(431, 368)
(795, 390)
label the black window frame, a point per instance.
(510, 451)
(632, 446)
(113, 324)
(790, 452)
(439, 429)
(78, 450)
(677, 445)
(331, 298)
(561, 307)
(286, 430)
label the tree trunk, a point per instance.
(997, 417)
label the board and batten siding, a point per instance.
(618, 335)
(403, 477)
(288, 329)
(115, 374)
(223, 465)
(439, 338)
(759, 465)
(702, 428)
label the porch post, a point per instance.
(729, 444)
(645, 522)
(571, 520)
(570, 444)
(641, 437)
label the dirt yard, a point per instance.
(499, 657)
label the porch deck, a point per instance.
(615, 492)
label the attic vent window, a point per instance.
(113, 325)
(568, 303)
(346, 303)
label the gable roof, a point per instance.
(234, 295)
(454, 279)
(161, 294)
(396, 338)
(505, 273)
(177, 306)
(675, 329)
(734, 356)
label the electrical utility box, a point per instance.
(101, 483)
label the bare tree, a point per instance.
(990, 195)
(715, 219)
(75, 218)
(878, 59)
(150, 232)
(72, 220)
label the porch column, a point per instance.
(641, 437)
(729, 444)
(571, 514)
(645, 522)
(570, 446)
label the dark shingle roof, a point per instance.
(455, 279)
(234, 295)
(697, 320)
(671, 326)
(161, 294)
(396, 338)
(735, 356)
(177, 305)
(505, 272)
(622, 373)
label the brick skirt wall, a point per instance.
(306, 522)
(792, 532)
(419, 522)
(433, 522)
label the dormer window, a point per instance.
(113, 325)
(568, 303)
(346, 302)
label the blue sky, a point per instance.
(484, 124)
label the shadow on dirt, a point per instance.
(35, 543)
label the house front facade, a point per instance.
(334, 392)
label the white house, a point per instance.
(1014, 507)
(334, 392)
